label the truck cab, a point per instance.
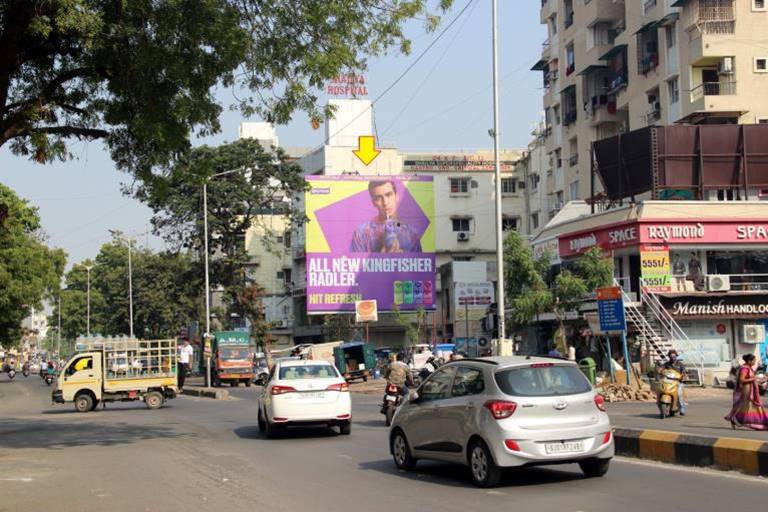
(232, 359)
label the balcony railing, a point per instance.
(716, 17)
(617, 83)
(653, 115)
(713, 89)
(648, 63)
(569, 117)
(573, 159)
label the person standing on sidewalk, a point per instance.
(185, 358)
(748, 410)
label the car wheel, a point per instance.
(272, 430)
(345, 428)
(485, 472)
(401, 453)
(262, 423)
(83, 402)
(593, 468)
(154, 400)
(247, 383)
(389, 414)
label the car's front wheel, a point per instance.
(401, 453)
(485, 472)
(593, 468)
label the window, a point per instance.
(553, 24)
(509, 223)
(287, 239)
(534, 179)
(759, 5)
(559, 199)
(508, 185)
(287, 276)
(729, 194)
(558, 159)
(673, 88)
(461, 224)
(543, 381)
(535, 220)
(762, 120)
(556, 112)
(468, 381)
(438, 385)
(761, 64)
(569, 105)
(670, 31)
(574, 191)
(280, 275)
(570, 60)
(459, 185)
(310, 371)
(80, 364)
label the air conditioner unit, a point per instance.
(718, 283)
(462, 236)
(754, 334)
(725, 67)
(282, 323)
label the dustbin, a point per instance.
(588, 368)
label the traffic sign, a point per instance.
(610, 308)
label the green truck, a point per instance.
(232, 358)
(355, 360)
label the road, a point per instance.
(199, 452)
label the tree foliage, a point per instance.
(263, 182)
(29, 270)
(532, 291)
(248, 300)
(412, 322)
(166, 293)
(140, 74)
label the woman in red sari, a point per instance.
(748, 410)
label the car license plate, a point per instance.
(316, 394)
(567, 447)
(391, 398)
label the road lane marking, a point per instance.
(16, 479)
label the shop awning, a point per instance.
(679, 3)
(591, 69)
(541, 65)
(613, 52)
(669, 19)
(653, 25)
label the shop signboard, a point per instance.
(370, 238)
(751, 306)
(472, 300)
(610, 309)
(654, 268)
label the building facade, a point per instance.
(610, 66)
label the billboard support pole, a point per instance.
(466, 319)
(627, 362)
(367, 339)
(497, 173)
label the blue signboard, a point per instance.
(610, 309)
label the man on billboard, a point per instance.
(384, 233)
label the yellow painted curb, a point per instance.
(658, 445)
(741, 454)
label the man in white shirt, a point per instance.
(185, 359)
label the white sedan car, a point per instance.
(301, 392)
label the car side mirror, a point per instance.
(413, 396)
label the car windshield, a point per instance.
(542, 380)
(314, 371)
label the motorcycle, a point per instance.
(25, 370)
(393, 397)
(667, 392)
(11, 373)
(50, 376)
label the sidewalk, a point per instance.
(705, 415)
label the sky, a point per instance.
(443, 103)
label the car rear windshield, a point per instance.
(314, 371)
(542, 381)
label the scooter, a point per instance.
(11, 373)
(667, 393)
(393, 397)
(49, 377)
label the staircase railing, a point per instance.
(644, 328)
(673, 332)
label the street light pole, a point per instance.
(207, 286)
(130, 288)
(58, 342)
(88, 301)
(497, 169)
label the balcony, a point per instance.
(602, 109)
(618, 82)
(568, 21)
(545, 47)
(713, 89)
(570, 69)
(647, 63)
(573, 160)
(653, 115)
(569, 117)
(602, 11)
(715, 17)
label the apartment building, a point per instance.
(610, 66)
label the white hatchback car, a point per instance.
(498, 412)
(301, 392)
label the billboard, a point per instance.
(472, 300)
(370, 238)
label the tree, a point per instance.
(140, 74)
(338, 327)
(29, 270)
(264, 182)
(411, 322)
(531, 291)
(248, 300)
(165, 293)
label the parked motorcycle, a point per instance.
(393, 397)
(667, 392)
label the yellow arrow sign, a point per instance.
(366, 149)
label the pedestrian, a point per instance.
(748, 410)
(185, 358)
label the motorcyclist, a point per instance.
(43, 368)
(674, 363)
(397, 374)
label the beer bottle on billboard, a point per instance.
(398, 292)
